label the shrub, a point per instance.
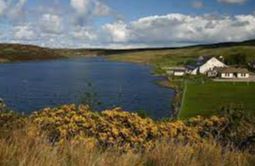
(10, 120)
(240, 126)
(236, 59)
(128, 131)
(110, 128)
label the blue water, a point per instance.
(29, 86)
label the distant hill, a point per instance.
(228, 44)
(21, 52)
(161, 57)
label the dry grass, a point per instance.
(23, 150)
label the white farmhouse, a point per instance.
(209, 65)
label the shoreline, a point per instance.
(176, 86)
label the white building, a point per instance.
(179, 72)
(176, 71)
(229, 73)
(209, 65)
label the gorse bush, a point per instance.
(129, 131)
(240, 126)
(8, 119)
(125, 131)
(75, 135)
(208, 127)
(110, 128)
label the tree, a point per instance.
(236, 59)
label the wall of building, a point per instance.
(227, 75)
(179, 73)
(243, 75)
(194, 72)
(210, 65)
(170, 72)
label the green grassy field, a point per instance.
(170, 57)
(205, 99)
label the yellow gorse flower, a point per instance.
(115, 127)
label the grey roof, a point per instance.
(233, 70)
(201, 62)
(175, 68)
(179, 70)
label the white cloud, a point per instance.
(51, 23)
(180, 28)
(90, 7)
(84, 33)
(55, 28)
(118, 31)
(85, 10)
(3, 7)
(15, 9)
(12, 9)
(197, 4)
(232, 1)
(25, 32)
(21, 3)
(81, 6)
(154, 31)
(101, 9)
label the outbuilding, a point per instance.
(231, 72)
(176, 71)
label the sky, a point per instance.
(125, 23)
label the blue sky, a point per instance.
(125, 23)
(133, 9)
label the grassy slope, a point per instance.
(203, 99)
(178, 56)
(156, 56)
(172, 57)
(17, 52)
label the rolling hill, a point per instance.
(18, 52)
(175, 55)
